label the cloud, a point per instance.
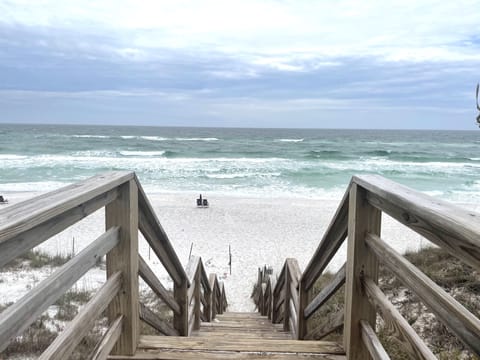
(218, 61)
(393, 30)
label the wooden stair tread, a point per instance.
(235, 336)
(250, 345)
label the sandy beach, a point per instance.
(260, 231)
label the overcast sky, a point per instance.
(322, 64)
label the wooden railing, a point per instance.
(127, 210)
(358, 218)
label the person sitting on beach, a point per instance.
(199, 201)
(3, 200)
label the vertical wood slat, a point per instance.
(214, 286)
(363, 218)
(286, 308)
(123, 212)
(180, 321)
(197, 295)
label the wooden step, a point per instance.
(174, 347)
(235, 336)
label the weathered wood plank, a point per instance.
(14, 246)
(192, 267)
(280, 281)
(108, 341)
(157, 238)
(458, 319)
(149, 277)
(326, 293)
(73, 334)
(224, 355)
(256, 345)
(294, 297)
(213, 305)
(370, 339)
(362, 218)
(394, 320)
(446, 225)
(333, 238)
(293, 317)
(26, 215)
(155, 321)
(332, 324)
(20, 315)
(123, 212)
(180, 293)
(294, 270)
(286, 308)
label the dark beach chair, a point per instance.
(205, 202)
(199, 201)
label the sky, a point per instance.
(300, 63)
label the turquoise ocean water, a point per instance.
(241, 162)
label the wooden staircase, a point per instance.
(235, 336)
(198, 327)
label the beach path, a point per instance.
(235, 335)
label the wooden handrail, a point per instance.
(157, 238)
(359, 216)
(448, 226)
(29, 223)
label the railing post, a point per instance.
(363, 218)
(208, 307)
(213, 297)
(180, 321)
(286, 303)
(303, 302)
(197, 296)
(123, 212)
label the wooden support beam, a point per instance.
(363, 218)
(123, 212)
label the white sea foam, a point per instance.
(91, 136)
(12, 157)
(290, 140)
(142, 153)
(154, 138)
(196, 139)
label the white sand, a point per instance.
(260, 231)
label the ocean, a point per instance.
(304, 163)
